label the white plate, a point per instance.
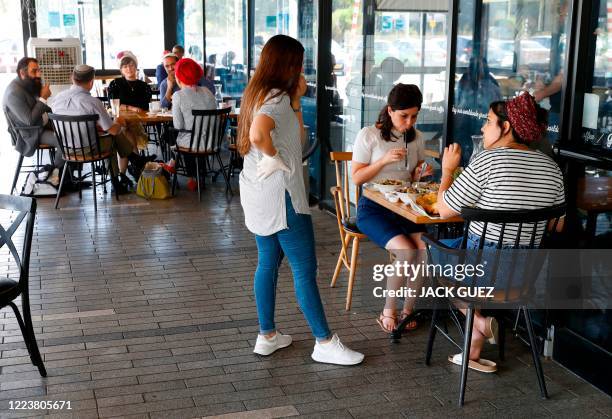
(387, 188)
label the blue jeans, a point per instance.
(297, 242)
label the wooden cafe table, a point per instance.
(407, 212)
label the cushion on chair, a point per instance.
(9, 290)
(186, 150)
(350, 225)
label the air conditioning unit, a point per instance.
(56, 57)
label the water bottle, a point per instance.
(218, 95)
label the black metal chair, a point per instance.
(207, 135)
(525, 264)
(16, 132)
(80, 143)
(10, 289)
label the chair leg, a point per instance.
(432, 334)
(61, 185)
(502, 339)
(27, 331)
(349, 291)
(535, 354)
(17, 171)
(467, 341)
(228, 187)
(197, 159)
(93, 184)
(341, 259)
(80, 181)
(177, 164)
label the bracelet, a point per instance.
(299, 109)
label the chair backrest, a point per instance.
(526, 228)
(14, 129)
(22, 208)
(512, 266)
(11, 127)
(77, 136)
(208, 130)
(341, 160)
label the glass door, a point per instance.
(506, 47)
(298, 19)
(373, 51)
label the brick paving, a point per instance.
(146, 310)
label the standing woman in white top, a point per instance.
(391, 149)
(274, 199)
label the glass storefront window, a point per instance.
(282, 17)
(144, 35)
(194, 30)
(60, 19)
(404, 46)
(597, 126)
(516, 46)
(225, 45)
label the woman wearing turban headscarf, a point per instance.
(134, 94)
(509, 176)
(191, 96)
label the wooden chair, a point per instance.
(16, 131)
(207, 134)
(80, 143)
(10, 289)
(347, 225)
(524, 267)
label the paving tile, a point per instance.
(140, 314)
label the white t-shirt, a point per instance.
(370, 147)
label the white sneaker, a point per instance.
(334, 352)
(265, 346)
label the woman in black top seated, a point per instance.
(134, 94)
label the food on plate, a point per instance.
(432, 186)
(390, 182)
(408, 189)
(429, 202)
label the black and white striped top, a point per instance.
(507, 179)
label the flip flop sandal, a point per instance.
(482, 365)
(412, 325)
(493, 330)
(380, 320)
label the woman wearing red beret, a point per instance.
(191, 96)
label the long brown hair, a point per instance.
(279, 67)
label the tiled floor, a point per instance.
(145, 309)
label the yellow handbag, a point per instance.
(152, 183)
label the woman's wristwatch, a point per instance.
(299, 109)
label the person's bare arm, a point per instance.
(260, 134)
(364, 172)
(450, 161)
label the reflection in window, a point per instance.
(143, 36)
(518, 46)
(194, 30)
(11, 42)
(226, 54)
(282, 17)
(61, 19)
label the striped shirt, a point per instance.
(263, 201)
(508, 179)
